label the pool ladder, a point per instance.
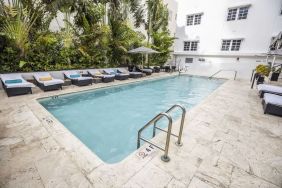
(154, 121)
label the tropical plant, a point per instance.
(123, 39)
(18, 21)
(157, 19)
(85, 41)
(121, 10)
(123, 36)
(263, 69)
(162, 43)
(158, 36)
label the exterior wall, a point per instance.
(263, 22)
(212, 64)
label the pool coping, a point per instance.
(80, 154)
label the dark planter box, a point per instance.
(275, 76)
(260, 79)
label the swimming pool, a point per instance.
(107, 120)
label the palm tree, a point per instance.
(157, 17)
(17, 24)
(123, 37)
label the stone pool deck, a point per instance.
(228, 142)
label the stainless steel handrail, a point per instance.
(235, 73)
(179, 136)
(165, 157)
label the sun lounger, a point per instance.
(265, 88)
(156, 69)
(146, 71)
(118, 75)
(97, 74)
(14, 84)
(272, 104)
(77, 79)
(46, 82)
(131, 74)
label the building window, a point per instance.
(190, 19)
(198, 18)
(194, 19)
(186, 46)
(243, 13)
(225, 45)
(231, 45)
(232, 14)
(191, 45)
(236, 45)
(238, 13)
(188, 60)
(194, 46)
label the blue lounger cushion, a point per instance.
(74, 76)
(15, 81)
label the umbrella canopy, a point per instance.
(277, 52)
(143, 50)
(277, 42)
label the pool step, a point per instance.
(154, 121)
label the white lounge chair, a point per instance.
(97, 74)
(272, 104)
(131, 74)
(265, 88)
(14, 84)
(46, 82)
(118, 75)
(77, 79)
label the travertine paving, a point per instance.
(228, 142)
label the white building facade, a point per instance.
(237, 32)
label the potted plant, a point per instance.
(261, 72)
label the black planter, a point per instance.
(275, 76)
(260, 79)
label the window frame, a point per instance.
(193, 45)
(195, 19)
(191, 21)
(244, 14)
(190, 58)
(225, 44)
(231, 47)
(237, 15)
(186, 47)
(231, 17)
(236, 45)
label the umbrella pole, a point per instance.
(273, 62)
(142, 62)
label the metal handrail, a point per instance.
(235, 73)
(179, 136)
(165, 157)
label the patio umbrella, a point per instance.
(277, 42)
(275, 48)
(143, 50)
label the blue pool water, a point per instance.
(107, 120)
